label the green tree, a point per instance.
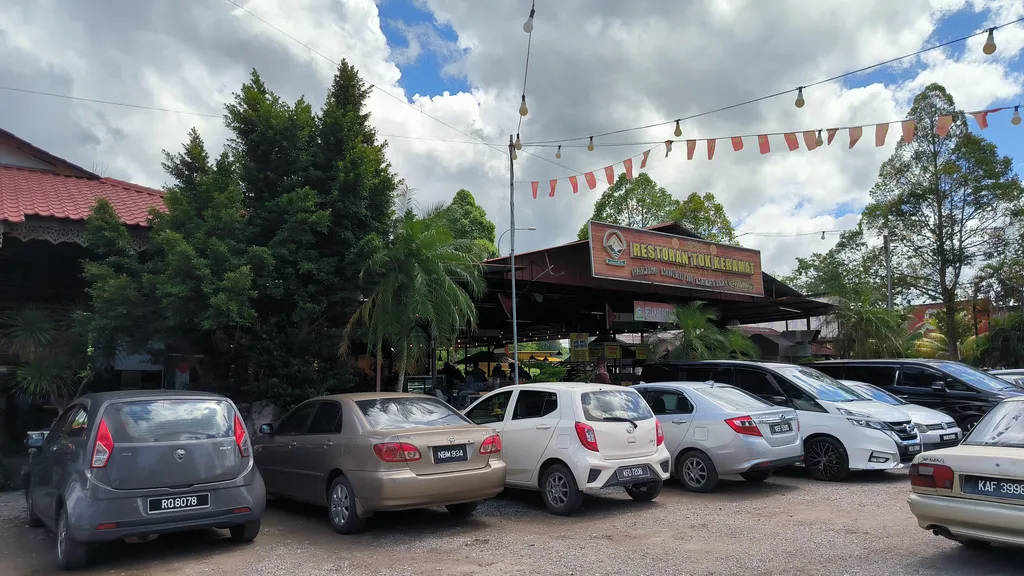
(943, 202)
(852, 270)
(468, 221)
(865, 330)
(698, 337)
(52, 354)
(705, 216)
(420, 285)
(635, 203)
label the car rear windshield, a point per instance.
(1002, 426)
(398, 413)
(733, 399)
(169, 420)
(614, 405)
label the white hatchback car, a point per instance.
(565, 438)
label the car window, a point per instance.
(819, 385)
(667, 402)
(409, 412)
(1002, 426)
(974, 378)
(755, 382)
(491, 409)
(917, 377)
(877, 375)
(326, 419)
(58, 426)
(799, 397)
(734, 399)
(605, 405)
(296, 421)
(836, 371)
(78, 428)
(169, 420)
(708, 373)
(657, 374)
(870, 392)
(534, 404)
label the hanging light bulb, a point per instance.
(818, 141)
(558, 153)
(514, 155)
(990, 43)
(799, 97)
(590, 146)
(523, 110)
(678, 131)
(528, 25)
(1016, 116)
(519, 143)
(822, 234)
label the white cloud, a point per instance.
(596, 65)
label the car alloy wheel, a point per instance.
(557, 488)
(695, 473)
(341, 504)
(62, 536)
(826, 459)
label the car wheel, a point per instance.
(34, 521)
(461, 510)
(71, 555)
(697, 472)
(757, 476)
(245, 533)
(341, 508)
(969, 424)
(559, 490)
(826, 459)
(644, 492)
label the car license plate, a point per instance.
(178, 503)
(993, 487)
(449, 454)
(781, 428)
(947, 437)
(914, 448)
(633, 472)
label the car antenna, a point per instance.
(710, 383)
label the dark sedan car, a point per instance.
(143, 463)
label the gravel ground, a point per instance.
(787, 525)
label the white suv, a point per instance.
(565, 438)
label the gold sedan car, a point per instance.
(364, 453)
(974, 493)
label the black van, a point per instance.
(959, 390)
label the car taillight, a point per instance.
(587, 436)
(240, 434)
(744, 425)
(103, 446)
(396, 452)
(931, 476)
(659, 432)
(491, 445)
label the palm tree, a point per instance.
(698, 336)
(52, 355)
(865, 331)
(422, 281)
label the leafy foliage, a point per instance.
(421, 283)
(468, 221)
(698, 336)
(635, 203)
(705, 216)
(52, 353)
(864, 330)
(1003, 346)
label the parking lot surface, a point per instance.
(790, 524)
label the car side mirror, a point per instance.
(34, 440)
(779, 400)
(939, 386)
(267, 429)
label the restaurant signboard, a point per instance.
(636, 255)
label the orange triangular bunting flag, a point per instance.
(791, 141)
(831, 135)
(628, 165)
(575, 184)
(553, 184)
(880, 131)
(763, 145)
(711, 148)
(534, 186)
(908, 127)
(737, 143)
(591, 180)
(809, 140)
(855, 133)
(691, 145)
(609, 174)
(643, 163)
(981, 118)
(668, 147)
(942, 126)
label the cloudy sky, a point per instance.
(595, 66)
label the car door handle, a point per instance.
(543, 427)
(292, 444)
(680, 421)
(328, 444)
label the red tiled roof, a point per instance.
(27, 192)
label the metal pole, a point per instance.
(512, 255)
(888, 271)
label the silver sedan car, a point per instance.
(716, 429)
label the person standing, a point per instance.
(602, 376)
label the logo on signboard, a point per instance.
(614, 243)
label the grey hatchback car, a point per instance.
(142, 463)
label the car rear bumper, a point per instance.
(970, 519)
(933, 440)
(403, 490)
(594, 472)
(123, 513)
(745, 453)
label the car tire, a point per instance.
(826, 459)
(245, 533)
(559, 490)
(463, 510)
(968, 424)
(697, 472)
(71, 555)
(341, 508)
(645, 492)
(757, 476)
(34, 521)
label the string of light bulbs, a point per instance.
(988, 48)
(523, 108)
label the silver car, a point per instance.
(716, 429)
(142, 463)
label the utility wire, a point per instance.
(781, 93)
(526, 71)
(107, 102)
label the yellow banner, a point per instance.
(612, 351)
(642, 351)
(578, 349)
